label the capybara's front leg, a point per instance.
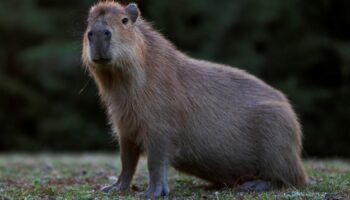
(130, 153)
(157, 159)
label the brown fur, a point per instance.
(213, 121)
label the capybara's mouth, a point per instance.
(102, 61)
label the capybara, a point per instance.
(209, 120)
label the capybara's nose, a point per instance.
(102, 34)
(100, 39)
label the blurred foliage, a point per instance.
(47, 100)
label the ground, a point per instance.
(80, 176)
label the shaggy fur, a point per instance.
(213, 121)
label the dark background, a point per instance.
(48, 101)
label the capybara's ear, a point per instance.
(133, 11)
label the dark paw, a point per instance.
(255, 186)
(152, 193)
(116, 187)
(107, 188)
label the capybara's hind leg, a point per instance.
(255, 186)
(281, 145)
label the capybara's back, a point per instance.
(213, 121)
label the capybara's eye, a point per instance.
(125, 20)
(90, 34)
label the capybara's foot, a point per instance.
(117, 186)
(255, 186)
(154, 192)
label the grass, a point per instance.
(80, 176)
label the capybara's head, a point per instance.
(111, 37)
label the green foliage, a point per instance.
(47, 100)
(299, 47)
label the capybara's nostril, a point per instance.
(108, 34)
